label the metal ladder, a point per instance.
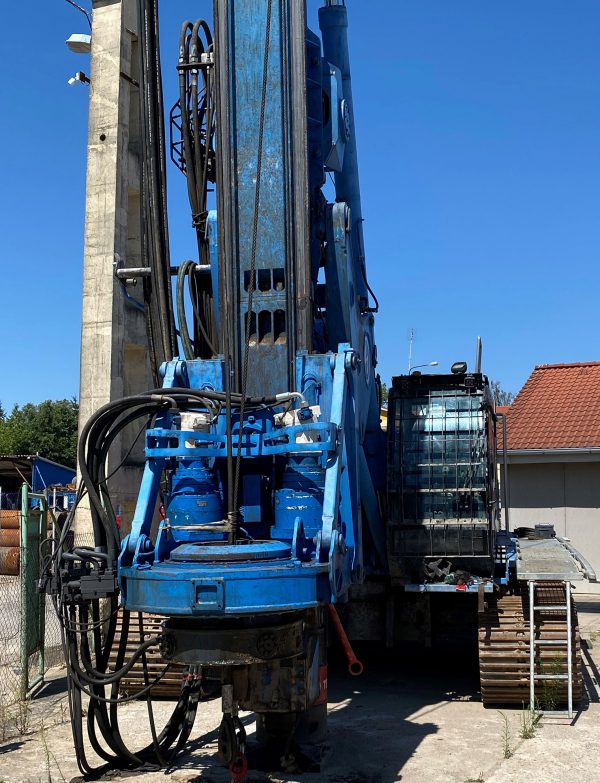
(534, 643)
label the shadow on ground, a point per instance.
(376, 721)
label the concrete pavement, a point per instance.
(410, 721)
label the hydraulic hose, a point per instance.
(155, 239)
(106, 423)
(196, 107)
(182, 272)
(91, 677)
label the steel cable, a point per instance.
(255, 216)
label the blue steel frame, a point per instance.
(343, 440)
(308, 576)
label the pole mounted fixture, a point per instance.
(79, 43)
(87, 14)
(416, 366)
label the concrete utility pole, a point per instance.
(114, 360)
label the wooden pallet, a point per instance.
(133, 682)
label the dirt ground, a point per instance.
(409, 722)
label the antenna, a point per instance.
(412, 335)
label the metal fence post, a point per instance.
(34, 527)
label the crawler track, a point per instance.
(504, 648)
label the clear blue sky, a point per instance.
(479, 137)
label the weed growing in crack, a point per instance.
(507, 750)
(530, 721)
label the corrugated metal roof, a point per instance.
(37, 471)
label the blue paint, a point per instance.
(235, 553)
(301, 496)
(310, 472)
(271, 320)
(253, 510)
(308, 486)
(258, 440)
(194, 499)
(146, 503)
(333, 21)
(245, 588)
(213, 249)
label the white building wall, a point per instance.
(567, 494)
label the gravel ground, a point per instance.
(410, 722)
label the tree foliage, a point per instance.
(48, 429)
(501, 396)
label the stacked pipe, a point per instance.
(10, 541)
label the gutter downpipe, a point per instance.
(502, 416)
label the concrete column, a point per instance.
(114, 360)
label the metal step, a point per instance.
(556, 714)
(537, 643)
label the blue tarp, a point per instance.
(45, 473)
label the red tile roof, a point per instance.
(558, 408)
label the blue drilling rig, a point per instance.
(270, 491)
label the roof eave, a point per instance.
(585, 454)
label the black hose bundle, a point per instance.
(88, 674)
(84, 619)
(155, 233)
(95, 440)
(195, 156)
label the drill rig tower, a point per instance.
(263, 442)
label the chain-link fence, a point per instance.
(30, 633)
(10, 599)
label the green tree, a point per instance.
(48, 429)
(384, 392)
(501, 396)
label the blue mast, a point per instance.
(272, 481)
